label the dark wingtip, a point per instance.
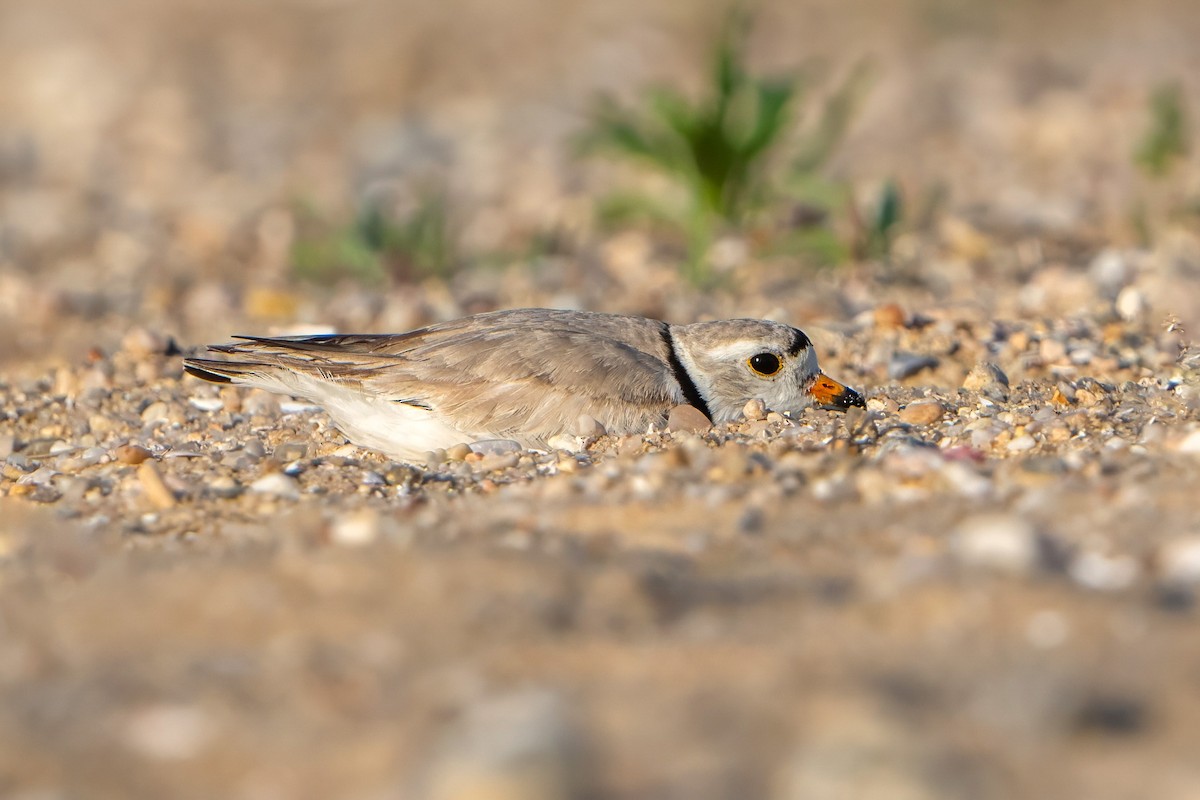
(203, 374)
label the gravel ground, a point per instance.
(984, 585)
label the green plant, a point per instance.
(1165, 141)
(376, 246)
(718, 149)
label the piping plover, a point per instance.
(529, 375)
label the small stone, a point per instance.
(1103, 572)
(458, 452)
(291, 451)
(519, 746)
(401, 475)
(355, 529)
(1021, 443)
(589, 427)
(223, 487)
(140, 343)
(498, 461)
(277, 484)
(985, 375)
(564, 441)
(924, 412)
(904, 365)
(754, 410)
(496, 447)
(154, 487)
(1190, 444)
(1179, 560)
(687, 419)
(1131, 304)
(206, 403)
(168, 732)
(889, 316)
(156, 412)
(131, 453)
(1003, 542)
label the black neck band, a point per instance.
(690, 392)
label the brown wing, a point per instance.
(511, 371)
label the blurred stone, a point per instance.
(1004, 542)
(925, 412)
(1179, 560)
(131, 454)
(168, 732)
(154, 488)
(276, 484)
(521, 746)
(687, 419)
(589, 427)
(1103, 572)
(889, 316)
(496, 447)
(904, 365)
(356, 529)
(1131, 304)
(986, 376)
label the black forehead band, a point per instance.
(799, 342)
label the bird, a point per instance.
(529, 375)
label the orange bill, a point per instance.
(829, 393)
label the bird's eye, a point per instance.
(765, 364)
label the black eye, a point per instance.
(765, 364)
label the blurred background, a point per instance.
(196, 165)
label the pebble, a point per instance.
(904, 365)
(156, 412)
(496, 447)
(131, 454)
(154, 487)
(291, 451)
(224, 487)
(987, 377)
(458, 452)
(1103, 572)
(206, 403)
(687, 419)
(889, 316)
(276, 484)
(1179, 560)
(1003, 542)
(518, 746)
(754, 410)
(589, 427)
(356, 529)
(1021, 443)
(924, 412)
(1189, 444)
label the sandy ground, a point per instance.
(981, 586)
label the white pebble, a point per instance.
(996, 541)
(1190, 444)
(277, 484)
(355, 530)
(1179, 560)
(1022, 443)
(168, 732)
(206, 403)
(1103, 572)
